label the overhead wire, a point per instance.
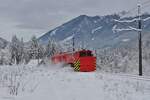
(144, 5)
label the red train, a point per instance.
(83, 60)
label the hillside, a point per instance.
(99, 31)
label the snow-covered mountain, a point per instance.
(99, 31)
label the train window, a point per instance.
(89, 53)
(82, 54)
(85, 53)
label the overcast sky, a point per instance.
(35, 17)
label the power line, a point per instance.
(146, 3)
(140, 39)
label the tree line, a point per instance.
(20, 52)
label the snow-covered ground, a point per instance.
(57, 82)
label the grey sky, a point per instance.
(35, 17)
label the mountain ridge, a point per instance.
(98, 31)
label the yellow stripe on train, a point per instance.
(77, 65)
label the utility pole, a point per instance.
(73, 44)
(38, 56)
(140, 40)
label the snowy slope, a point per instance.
(56, 82)
(99, 31)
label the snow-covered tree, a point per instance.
(34, 48)
(50, 48)
(2, 57)
(16, 49)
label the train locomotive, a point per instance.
(81, 61)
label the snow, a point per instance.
(114, 28)
(126, 21)
(148, 18)
(130, 21)
(93, 39)
(58, 82)
(53, 32)
(121, 29)
(68, 38)
(135, 29)
(96, 29)
(126, 40)
(95, 21)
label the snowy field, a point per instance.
(56, 82)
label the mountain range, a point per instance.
(100, 31)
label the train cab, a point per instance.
(81, 61)
(86, 61)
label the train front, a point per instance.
(85, 61)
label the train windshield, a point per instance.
(85, 53)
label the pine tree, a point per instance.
(51, 48)
(34, 48)
(15, 49)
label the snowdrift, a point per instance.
(57, 82)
